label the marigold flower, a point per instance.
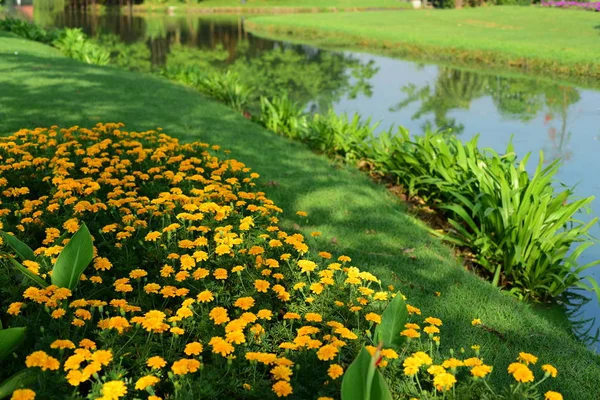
(62, 344)
(433, 321)
(281, 372)
(23, 394)
(156, 362)
(145, 381)
(42, 360)
(550, 370)
(550, 395)
(480, 371)
(327, 352)
(520, 372)
(113, 390)
(527, 358)
(313, 317)
(335, 371)
(282, 389)
(15, 308)
(205, 296)
(444, 381)
(307, 266)
(261, 285)
(373, 317)
(152, 236)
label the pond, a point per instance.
(540, 114)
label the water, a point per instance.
(561, 119)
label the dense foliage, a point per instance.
(194, 290)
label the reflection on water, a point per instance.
(559, 119)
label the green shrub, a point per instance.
(74, 44)
(283, 116)
(339, 136)
(27, 30)
(444, 3)
(226, 88)
(525, 235)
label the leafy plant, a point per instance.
(27, 30)
(338, 135)
(70, 264)
(226, 88)
(363, 381)
(283, 116)
(75, 44)
(392, 323)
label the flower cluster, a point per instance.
(195, 290)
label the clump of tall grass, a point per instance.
(524, 233)
(226, 88)
(339, 135)
(283, 116)
(73, 43)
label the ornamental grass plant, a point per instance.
(193, 290)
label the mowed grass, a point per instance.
(274, 5)
(355, 216)
(529, 38)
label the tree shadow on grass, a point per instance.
(355, 216)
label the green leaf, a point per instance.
(19, 380)
(73, 259)
(22, 250)
(10, 340)
(21, 268)
(362, 380)
(392, 323)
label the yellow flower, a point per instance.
(413, 310)
(373, 317)
(282, 389)
(480, 371)
(410, 333)
(452, 363)
(220, 273)
(152, 236)
(302, 213)
(281, 373)
(245, 303)
(327, 352)
(23, 394)
(261, 285)
(71, 225)
(431, 329)
(520, 372)
(113, 390)
(476, 322)
(145, 381)
(433, 321)
(325, 255)
(62, 344)
(205, 296)
(472, 362)
(15, 308)
(444, 381)
(550, 395)
(436, 370)
(185, 366)
(549, 370)
(156, 362)
(313, 317)
(42, 360)
(193, 348)
(264, 314)
(221, 346)
(335, 371)
(527, 358)
(307, 266)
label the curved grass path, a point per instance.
(40, 88)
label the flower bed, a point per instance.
(590, 6)
(194, 290)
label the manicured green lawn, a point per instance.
(529, 38)
(272, 5)
(355, 216)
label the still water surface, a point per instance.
(563, 120)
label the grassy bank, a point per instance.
(275, 6)
(530, 39)
(355, 216)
